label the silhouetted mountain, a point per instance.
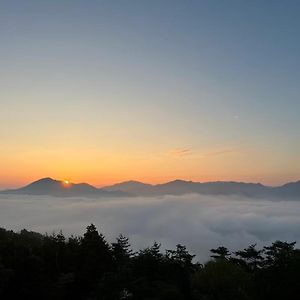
(289, 190)
(51, 187)
(132, 187)
(181, 187)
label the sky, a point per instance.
(108, 91)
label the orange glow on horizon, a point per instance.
(160, 167)
(101, 180)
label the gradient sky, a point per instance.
(106, 91)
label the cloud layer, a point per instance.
(200, 222)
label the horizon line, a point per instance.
(156, 184)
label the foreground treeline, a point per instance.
(35, 266)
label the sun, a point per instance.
(66, 183)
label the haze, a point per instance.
(200, 222)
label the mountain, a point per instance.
(51, 187)
(181, 187)
(132, 187)
(289, 190)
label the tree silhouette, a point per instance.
(121, 249)
(251, 257)
(35, 266)
(220, 253)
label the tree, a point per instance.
(251, 257)
(221, 280)
(220, 253)
(95, 259)
(121, 249)
(180, 256)
(279, 253)
(180, 268)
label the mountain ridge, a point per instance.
(53, 187)
(59, 188)
(181, 187)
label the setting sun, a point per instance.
(66, 183)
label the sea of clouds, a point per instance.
(199, 222)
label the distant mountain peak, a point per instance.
(51, 187)
(179, 181)
(132, 182)
(46, 179)
(131, 186)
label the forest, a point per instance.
(36, 266)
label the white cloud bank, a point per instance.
(199, 222)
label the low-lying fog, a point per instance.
(199, 222)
